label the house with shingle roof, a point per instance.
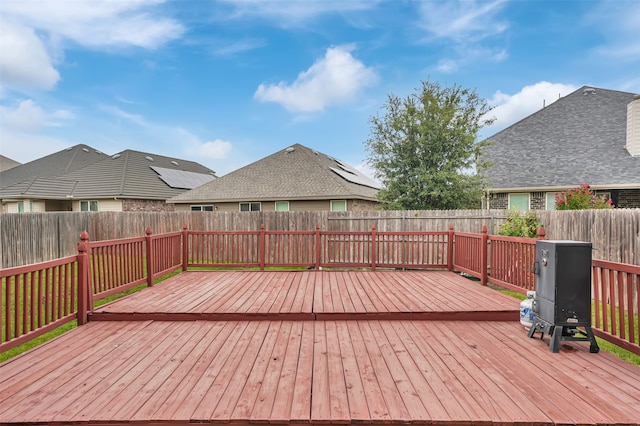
(590, 136)
(126, 181)
(294, 179)
(7, 163)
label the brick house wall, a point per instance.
(147, 205)
(626, 198)
(497, 200)
(622, 198)
(538, 200)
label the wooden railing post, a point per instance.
(541, 233)
(450, 248)
(484, 248)
(84, 282)
(262, 247)
(318, 248)
(185, 248)
(374, 247)
(150, 257)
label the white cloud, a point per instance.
(28, 116)
(120, 113)
(229, 48)
(24, 61)
(512, 108)
(25, 146)
(98, 23)
(461, 20)
(334, 79)
(288, 13)
(34, 32)
(217, 149)
(617, 22)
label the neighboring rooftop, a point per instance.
(7, 163)
(294, 173)
(56, 164)
(128, 174)
(580, 138)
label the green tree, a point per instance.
(424, 151)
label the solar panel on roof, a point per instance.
(182, 179)
(355, 176)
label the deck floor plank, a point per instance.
(190, 365)
(348, 366)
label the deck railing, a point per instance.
(367, 249)
(616, 289)
(37, 298)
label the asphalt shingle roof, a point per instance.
(55, 164)
(294, 173)
(128, 174)
(580, 138)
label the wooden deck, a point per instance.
(320, 370)
(313, 295)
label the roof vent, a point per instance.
(69, 149)
(114, 156)
(175, 163)
(149, 158)
(290, 149)
(85, 149)
(315, 152)
(589, 91)
(99, 152)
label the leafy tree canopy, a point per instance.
(424, 151)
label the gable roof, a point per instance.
(128, 174)
(56, 164)
(294, 173)
(7, 163)
(580, 138)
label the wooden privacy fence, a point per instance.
(37, 298)
(27, 238)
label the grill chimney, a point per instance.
(633, 126)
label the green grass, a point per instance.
(606, 346)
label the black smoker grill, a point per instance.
(563, 292)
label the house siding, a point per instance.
(298, 205)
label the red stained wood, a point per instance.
(356, 370)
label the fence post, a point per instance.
(318, 248)
(185, 248)
(450, 249)
(262, 247)
(84, 295)
(484, 273)
(374, 247)
(150, 257)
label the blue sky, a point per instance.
(227, 82)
